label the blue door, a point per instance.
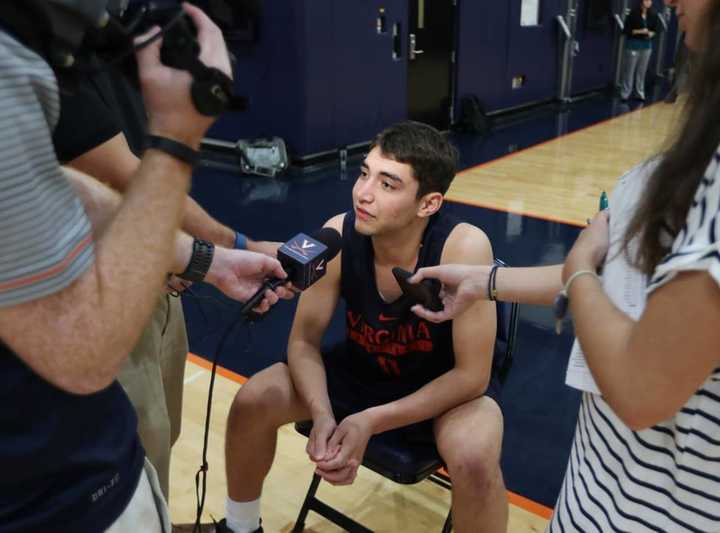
(482, 51)
(367, 68)
(504, 62)
(665, 44)
(322, 74)
(595, 34)
(533, 55)
(672, 41)
(431, 41)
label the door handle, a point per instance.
(413, 47)
(619, 22)
(396, 42)
(563, 26)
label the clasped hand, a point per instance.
(338, 450)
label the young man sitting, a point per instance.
(395, 369)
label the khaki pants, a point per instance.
(147, 510)
(153, 379)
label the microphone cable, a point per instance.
(201, 474)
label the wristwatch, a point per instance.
(202, 256)
(176, 149)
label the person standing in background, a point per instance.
(641, 26)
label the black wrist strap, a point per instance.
(200, 261)
(491, 290)
(178, 150)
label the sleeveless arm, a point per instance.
(314, 312)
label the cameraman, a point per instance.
(78, 285)
(100, 131)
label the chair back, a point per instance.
(507, 320)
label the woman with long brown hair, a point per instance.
(646, 454)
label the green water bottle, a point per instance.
(604, 203)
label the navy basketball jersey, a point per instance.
(385, 341)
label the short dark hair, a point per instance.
(432, 158)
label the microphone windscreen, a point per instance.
(331, 238)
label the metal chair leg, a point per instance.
(447, 528)
(305, 509)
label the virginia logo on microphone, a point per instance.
(303, 246)
(308, 255)
(306, 248)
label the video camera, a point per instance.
(211, 90)
(67, 32)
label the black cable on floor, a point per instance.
(201, 474)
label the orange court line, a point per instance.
(224, 372)
(530, 506)
(517, 500)
(549, 141)
(527, 214)
(512, 154)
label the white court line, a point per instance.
(200, 372)
(194, 376)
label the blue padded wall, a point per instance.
(268, 74)
(533, 52)
(482, 51)
(593, 67)
(370, 86)
(493, 48)
(319, 75)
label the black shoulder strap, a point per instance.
(25, 21)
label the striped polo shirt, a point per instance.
(69, 462)
(45, 236)
(665, 478)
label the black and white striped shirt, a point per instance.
(45, 236)
(666, 478)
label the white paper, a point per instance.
(624, 285)
(578, 375)
(530, 13)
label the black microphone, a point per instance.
(304, 258)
